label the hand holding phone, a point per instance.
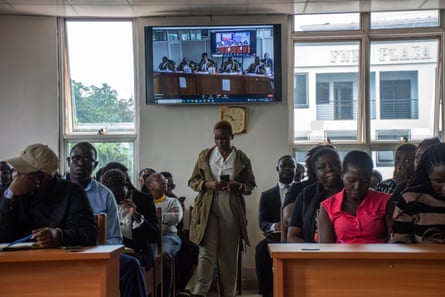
(225, 182)
(224, 178)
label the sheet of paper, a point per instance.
(182, 82)
(226, 84)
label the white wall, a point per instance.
(170, 138)
(28, 83)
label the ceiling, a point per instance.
(140, 8)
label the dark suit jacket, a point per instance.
(150, 229)
(270, 208)
(148, 232)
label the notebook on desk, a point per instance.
(18, 246)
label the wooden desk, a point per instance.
(91, 272)
(183, 85)
(372, 270)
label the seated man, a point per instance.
(268, 62)
(269, 218)
(186, 65)
(82, 161)
(256, 67)
(205, 63)
(37, 202)
(171, 216)
(166, 65)
(230, 66)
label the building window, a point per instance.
(343, 100)
(385, 158)
(322, 92)
(337, 88)
(398, 96)
(99, 88)
(333, 135)
(300, 90)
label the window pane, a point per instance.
(327, 22)
(384, 163)
(322, 92)
(398, 96)
(332, 71)
(300, 90)
(100, 64)
(402, 89)
(122, 152)
(405, 19)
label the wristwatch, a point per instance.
(8, 194)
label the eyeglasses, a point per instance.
(77, 159)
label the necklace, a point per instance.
(160, 199)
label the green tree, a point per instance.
(112, 152)
(101, 104)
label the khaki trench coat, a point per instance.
(201, 173)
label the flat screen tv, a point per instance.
(213, 64)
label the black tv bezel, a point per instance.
(277, 61)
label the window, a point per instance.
(404, 19)
(385, 159)
(393, 134)
(342, 96)
(322, 92)
(368, 88)
(343, 100)
(398, 96)
(332, 90)
(333, 135)
(327, 22)
(100, 68)
(111, 152)
(404, 86)
(300, 90)
(99, 88)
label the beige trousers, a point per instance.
(219, 248)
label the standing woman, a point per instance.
(222, 175)
(357, 214)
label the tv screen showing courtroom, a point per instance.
(213, 64)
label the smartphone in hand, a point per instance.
(224, 178)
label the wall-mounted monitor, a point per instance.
(213, 64)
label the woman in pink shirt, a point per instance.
(357, 214)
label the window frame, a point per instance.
(66, 133)
(365, 35)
